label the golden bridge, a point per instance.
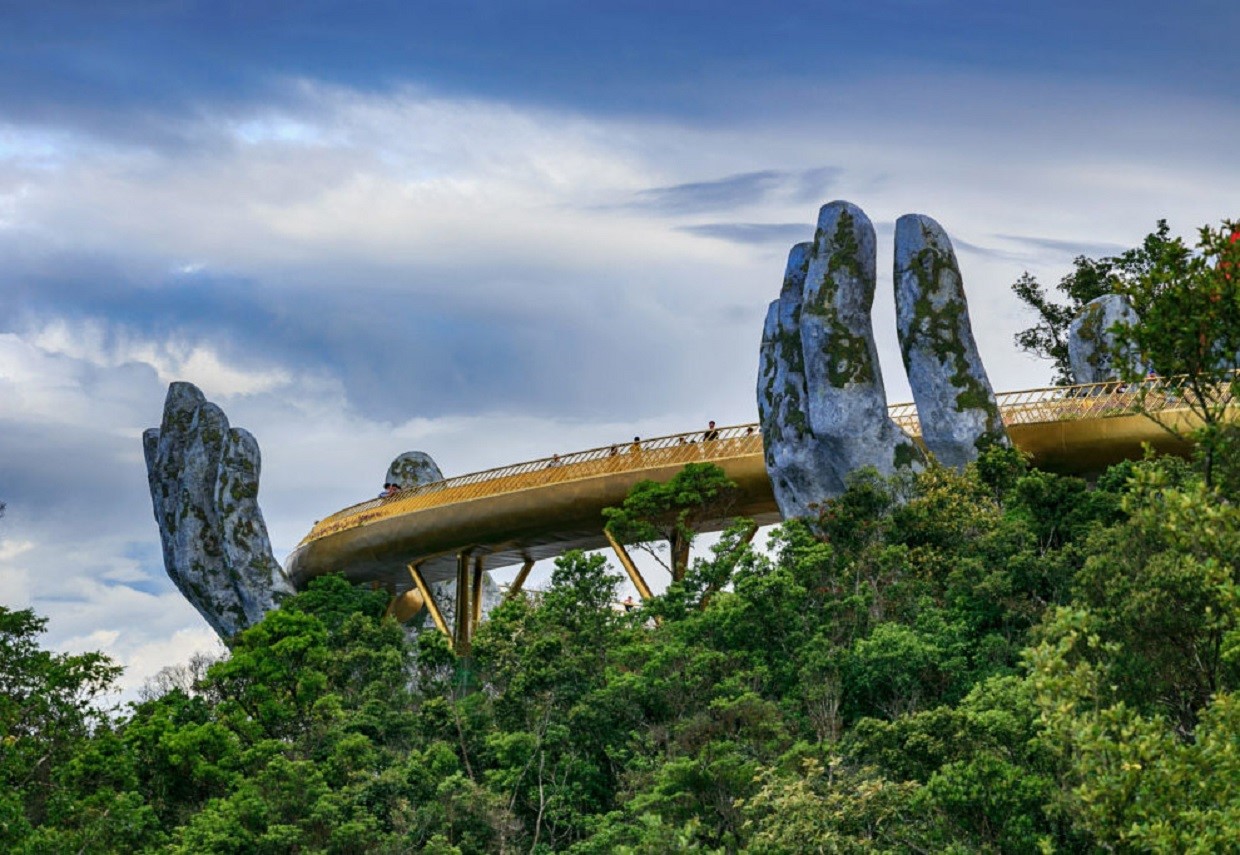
(518, 514)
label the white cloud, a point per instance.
(517, 216)
(14, 586)
(10, 549)
(107, 346)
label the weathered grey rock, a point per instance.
(847, 402)
(412, 469)
(820, 387)
(955, 403)
(801, 473)
(203, 477)
(1093, 351)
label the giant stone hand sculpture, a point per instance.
(203, 476)
(821, 399)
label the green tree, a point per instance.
(1090, 278)
(1165, 587)
(547, 733)
(1189, 299)
(1188, 302)
(65, 781)
(836, 807)
(1133, 781)
(672, 512)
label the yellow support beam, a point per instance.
(405, 605)
(519, 582)
(460, 635)
(429, 600)
(626, 562)
(476, 598)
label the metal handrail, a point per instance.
(1031, 406)
(680, 448)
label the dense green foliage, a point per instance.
(1089, 278)
(1000, 661)
(1190, 327)
(659, 514)
(1188, 302)
(1187, 299)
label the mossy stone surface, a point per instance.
(820, 390)
(203, 476)
(796, 462)
(955, 403)
(412, 469)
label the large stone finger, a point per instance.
(955, 403)
(800, 474)
(257, 578)
(847, 403)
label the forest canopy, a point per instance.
(1003, 660)
(1000, 660)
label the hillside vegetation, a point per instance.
(997, 661)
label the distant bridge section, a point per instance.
(528, 511)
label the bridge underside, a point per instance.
(506, 529)
(544, 512)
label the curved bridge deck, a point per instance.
(542, 508)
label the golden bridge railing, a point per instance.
(1033, 406)
(1104, 400)
(681, 448)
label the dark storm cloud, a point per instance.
(399, 344)
(67, 485)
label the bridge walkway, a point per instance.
(525, 512)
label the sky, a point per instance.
(492, 231)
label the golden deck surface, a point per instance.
(543, 508)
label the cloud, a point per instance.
(127, 67)
(373, 247)
(172, 359)
(988, 251)
(783, 234)
(699, 196)
(1060, 248)
(733, 191)
(353, 273)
